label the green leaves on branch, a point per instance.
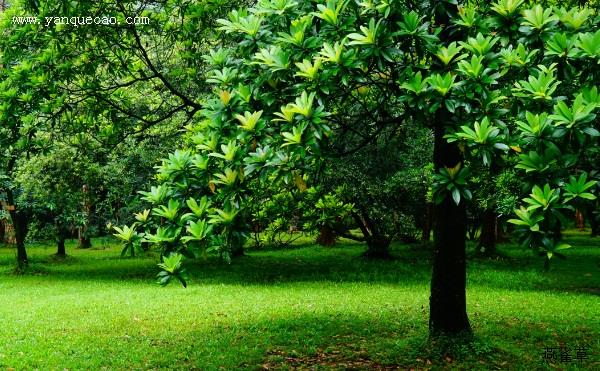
(507, 8)
(540, 87)
(480, 45)
(453, 182)
(448, 54)
(197, 231)
(538, 222)
(168, 211)
(442, 84)
(578, 113)
(172, 268)
(331, 11)
(241, 22)
(537, 19)
(250, 121)
(578, 188)
(130, 238)
(484, 137)
(542, 198)
(156, 195)
(589, 43)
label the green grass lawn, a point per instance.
(307, 307)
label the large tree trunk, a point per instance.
(448, 306)
(488, 237)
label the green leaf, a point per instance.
(456, 195)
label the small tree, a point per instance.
(53, 183)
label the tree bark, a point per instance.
(488, 237)
(237, 250)
(326, 236)
(594, 224)
(61, 251)
(84, 242)
(2, 231)
(20, 223)
(378, 247)
(448, 306)
(579, 220)
(61, 237)
(427, 222)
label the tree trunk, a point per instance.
(427, 222)
(488, 237)
(2, 231)
(237, 250)
(326, 236)
(84, 241)
(61, 237)
(448, 306)
(594, 224)
(20, 223)
(579, 220)
(61, 251)
(378, 247)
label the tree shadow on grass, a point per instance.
(342, 342)
(411, 266)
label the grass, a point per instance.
(301, 308)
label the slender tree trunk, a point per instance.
(61, 236)
(594, 224)
(378, 245)
(488, 237)
(427, 222)
(448, 306)
(579, 220)
(84, 241)
(595, 228)
(20, 223)
(2, 231)
(61, 251)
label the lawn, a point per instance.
(307, 307)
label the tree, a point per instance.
(96, 85)
(28, 90)
(53, 183)
(302, 76)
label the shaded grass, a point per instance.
(307, 307)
